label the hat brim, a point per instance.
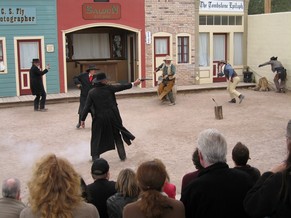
(98, 80)
(92, 69)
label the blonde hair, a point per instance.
(54, 188)
(126, 183)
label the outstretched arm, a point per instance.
(264, 64)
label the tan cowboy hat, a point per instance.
(167, 58)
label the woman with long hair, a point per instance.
(152, 203)
(271, 195)
(55, 191)
(127, 192)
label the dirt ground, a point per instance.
(165, 132)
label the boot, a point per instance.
(232, 101)
(241, 97)
(121, 151)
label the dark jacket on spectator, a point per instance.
(264, 199)
(217, 192)
(253, 172)
(116, 203)
(99, 191)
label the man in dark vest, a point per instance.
(107, 128)
(84, 83)
(36, 85)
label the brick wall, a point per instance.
(171, 17)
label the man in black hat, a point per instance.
(84, 83)
(101, 189)
(107, 127)
(36, 85)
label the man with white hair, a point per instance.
(10, 204)
(218, 191)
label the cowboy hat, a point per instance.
(99, 77)
(92, 67)
(35, 60)
(167, 58)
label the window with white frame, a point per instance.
(203, 49)
(183, 49)
(238, 49)
(3, 64)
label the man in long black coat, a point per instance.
(107, 127)
(84, 83)
(36, 85)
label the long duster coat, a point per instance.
(86, 86)
(107, 117)
(36, 84)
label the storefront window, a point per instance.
(238, 48)
(238, 20)
(91, 46)
(183, 49)
(3, 63)
(1, 50)
(220, 20)
(203, 49)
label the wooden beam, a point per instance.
(268, 6)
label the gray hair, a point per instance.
(213, 146)
(11, 188)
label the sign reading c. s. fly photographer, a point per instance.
(216, 5)
(17, 15)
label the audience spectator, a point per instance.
(240, 157)
(187, 178)
(101, 189)
(10, 204)
(151, 177)
(169, 188)
(127, 192)
(218, 191)
(55, 191)
(271, 195)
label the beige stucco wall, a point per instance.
(269, 35)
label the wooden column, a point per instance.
(268, 6)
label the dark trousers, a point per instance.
(119, 144)
(39, 103)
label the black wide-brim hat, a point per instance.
(92, 67)
(99, 77)
(35, 60)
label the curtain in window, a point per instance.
(238, 48)
(91, 46)
(161, 46)
(203, 49)
(1, 50)
(28, 51)
(218, 47)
